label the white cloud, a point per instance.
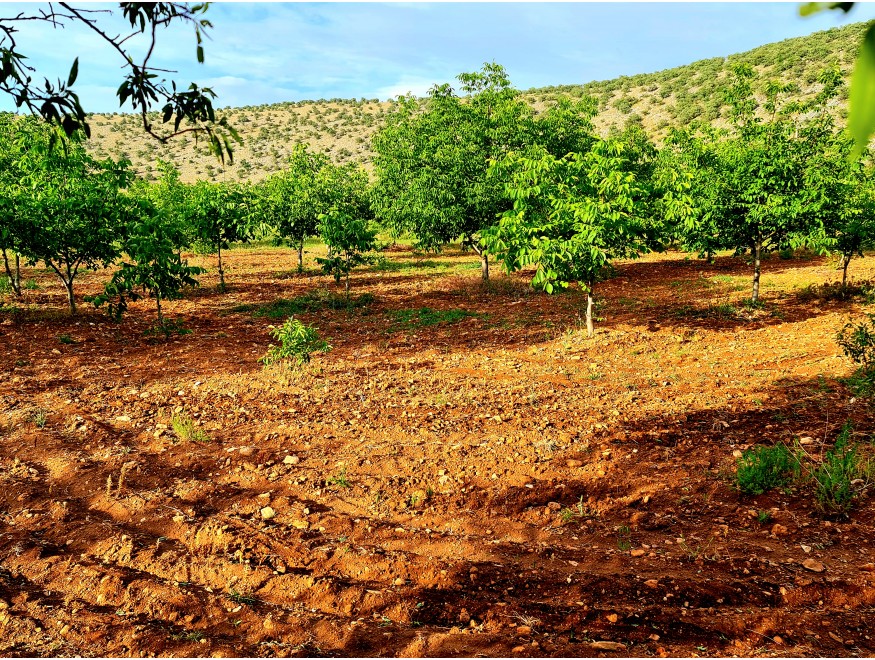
(406, 85)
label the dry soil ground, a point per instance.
(493, 483)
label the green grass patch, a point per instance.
(314, 301)
(721, 311)
(424, 317)
(837, 478)
(763, 468)
(384, 265)
(185, 429)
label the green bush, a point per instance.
(763, 468)
(858, 342)
(297, 341)
(834, 478)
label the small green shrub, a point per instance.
(763, 468)
(31, 285)
(66, 339)
(858, 342)
(167, 327)
(297, 341)
(38, 417)
(185, 430)
(834, 478)
(5, 286)
(835, 291)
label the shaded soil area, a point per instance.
(477, 479)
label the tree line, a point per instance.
(537, 191)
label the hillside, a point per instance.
(343, 128)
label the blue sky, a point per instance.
(271, 52)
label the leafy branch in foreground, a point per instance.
(142, 85)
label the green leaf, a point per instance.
(810, 8)
(861, 117)
(74, 73)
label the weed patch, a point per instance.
(838, 479)
(314, 301)
(424, 317)
(185, 429)
(763, 468)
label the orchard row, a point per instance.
(537, 191)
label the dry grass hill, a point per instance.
(343, 127)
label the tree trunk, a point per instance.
(757, 248)
(14, 277)
(221, 272)
(68, 284)
(301, 256)
(590, 330)
(484, 258)
(347, 278)
(845, 262)
(160, 315)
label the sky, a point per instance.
(261, 53)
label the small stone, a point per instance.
(523, 630)
(518, 649)
(805, 548)
(612, 618)
(267, 513)
(779, 530)
(297, 523)
(654, 637)
(179, 518)
(246, 451)
(737, 454)
(777, 639)
(637, 552)
(836, 637)
(813, 565)
(291, 460)
(608, 646)
(651, 584)
(869, 568)
(573, 463)
(806, 441)
(398, 582)
(554, 506)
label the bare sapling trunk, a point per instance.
(14, 276)
(348, 260)
(301, 256)
(221, 272)
(757, 250)
(590, 330)
(846, 260)
(158, 304)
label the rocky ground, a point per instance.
(475, 479)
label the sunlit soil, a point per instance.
(474, 478)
